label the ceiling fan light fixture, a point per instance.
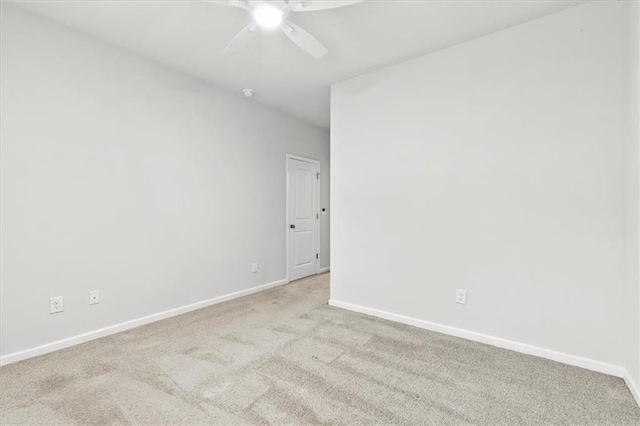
(270, 14)
(267, 16)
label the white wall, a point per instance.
(124, 176)
(495, 166)
(631, 339)
(635, 140)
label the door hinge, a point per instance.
(316, 255)
(317, 175)
(317, 216)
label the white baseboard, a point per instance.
(578, 361)
(117, 328)
(633, 387)
(323, 270)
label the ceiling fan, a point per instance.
(271, 14)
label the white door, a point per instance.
(302, 226)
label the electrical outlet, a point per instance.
(254, 267)
(461, 296)
(94, 297)
(56, 304)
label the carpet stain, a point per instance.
(54, 382)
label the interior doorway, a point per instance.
(303, 217)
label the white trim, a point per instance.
(632, 387)
(287, 220)
(117, 328)
(323, 270)
(578, 361)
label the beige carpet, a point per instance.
(284, 357)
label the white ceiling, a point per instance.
(191, 35)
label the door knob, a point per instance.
(292, 226)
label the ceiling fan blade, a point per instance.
(310, 6)
(232, 3)
(242, 39)
(304, 40)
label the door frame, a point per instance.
(287, 218)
